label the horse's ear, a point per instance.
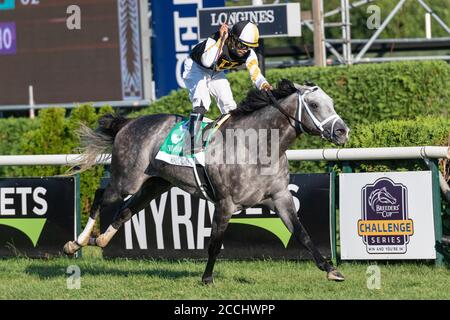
(286, 85)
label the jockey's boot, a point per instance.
(194, 145)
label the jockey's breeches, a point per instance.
(202, 83)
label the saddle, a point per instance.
(172, 152)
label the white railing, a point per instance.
(425, 152)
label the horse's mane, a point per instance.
(257, 99)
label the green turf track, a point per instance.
(22, 278)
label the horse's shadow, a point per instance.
(54, 271)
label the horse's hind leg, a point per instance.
(104, 198)
(284, 205)
(152, 188)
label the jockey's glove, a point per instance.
(266, 86)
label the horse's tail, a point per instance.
(97, 142)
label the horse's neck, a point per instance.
(287, 127)
(269, 118)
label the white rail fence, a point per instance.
(351, 154)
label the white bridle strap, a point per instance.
(319, 125)
(299, 112)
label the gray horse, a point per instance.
(287, 111)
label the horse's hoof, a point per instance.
(71, 247)
(208, 280)
(335, 275)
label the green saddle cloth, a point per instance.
(171, 151)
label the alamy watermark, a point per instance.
(374, 20)
(74, 279)
(73, 21)
(245, 147)
(373, 274)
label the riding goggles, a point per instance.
(241, 46)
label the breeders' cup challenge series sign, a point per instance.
(387, 216)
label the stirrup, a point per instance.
(195, 127)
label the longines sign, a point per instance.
(282, 20)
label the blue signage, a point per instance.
(174, 25)
(7, 38)
(7, 4)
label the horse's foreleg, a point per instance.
(73, 246)
(284, 206)
(219, 225)
(152, 188)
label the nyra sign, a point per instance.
(37, 215)
(386, 216)
(177, 225)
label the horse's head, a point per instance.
(317, 115)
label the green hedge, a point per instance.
(11, 131)
(400, 133)
(55, 134)
(362, 93)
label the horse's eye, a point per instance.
(313, 105)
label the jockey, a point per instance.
(204, 70)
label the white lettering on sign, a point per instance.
(197, 2)
(5, 200)
(187, 25)
(181, 216)
(258, 17)
(14, 201)
(158, 216)
(41, 201)
(179, 67)
(138, 222)
(178, 218)
(5, 38)
(24, 192)
(202, 231)
(29, 2)
(294, 187)
(185, 34)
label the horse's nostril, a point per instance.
(341, 132)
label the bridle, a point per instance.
(298, 120)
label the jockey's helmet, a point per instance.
(244, 34)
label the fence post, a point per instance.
(346, 167)
(330, 168)
(434, 166)
(79, 253)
